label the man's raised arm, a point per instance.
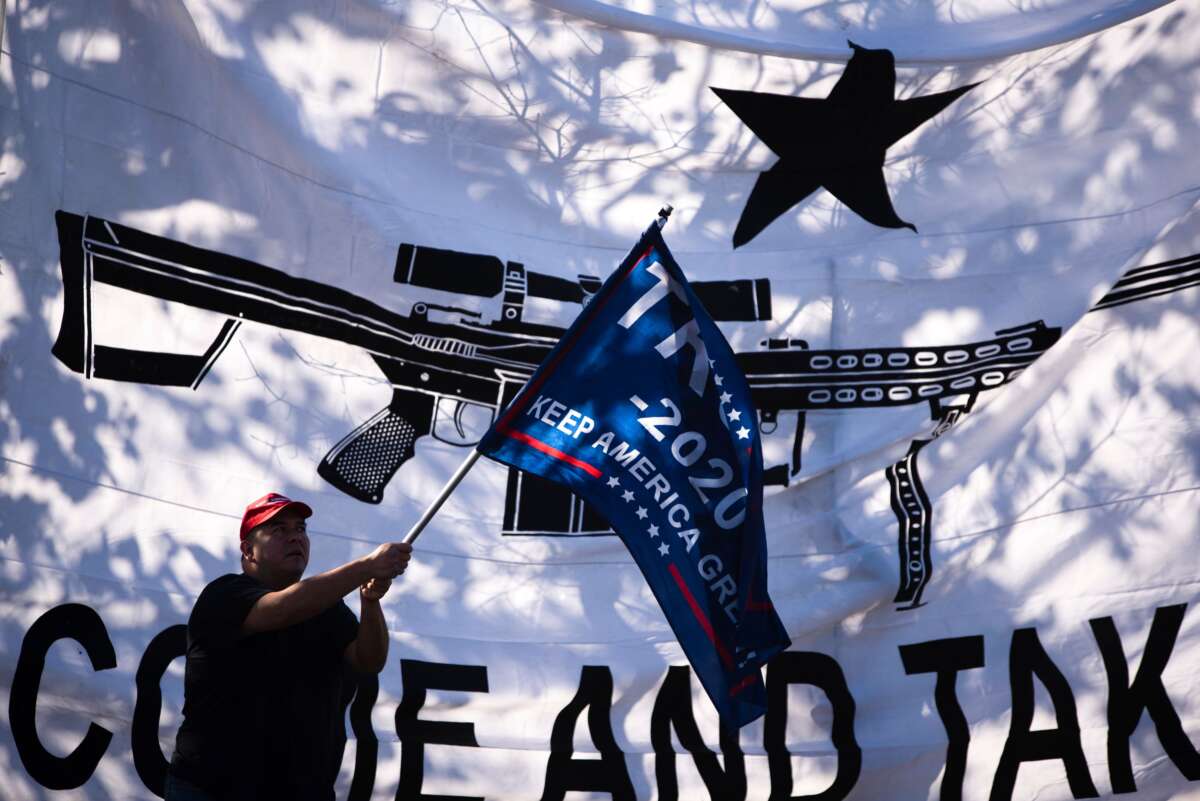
(368, 652)
(311, 596)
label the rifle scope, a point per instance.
(484, 276)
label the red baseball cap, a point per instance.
(266, 507)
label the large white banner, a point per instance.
(304, 247)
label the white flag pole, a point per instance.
(461, 472)
(470, 461)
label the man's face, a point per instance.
(278, 549)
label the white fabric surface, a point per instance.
(316, 137)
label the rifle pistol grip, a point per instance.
(363, 463)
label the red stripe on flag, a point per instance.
(593, 309)
(549, 450)
(744, 683)
(701, 617)
(756, 606)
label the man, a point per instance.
(266, 651)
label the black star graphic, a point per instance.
(837, 143)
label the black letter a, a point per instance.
(607, 774)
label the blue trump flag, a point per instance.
(643, 412)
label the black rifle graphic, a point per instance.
(786, 375)
(465, 362)
(469, 362)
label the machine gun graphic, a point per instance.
(471, 363)
(430, 364)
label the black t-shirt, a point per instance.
(262, 714)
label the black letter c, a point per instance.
(80, 623)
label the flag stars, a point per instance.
(614, 482)
(743, 433)
(718, 380)
(653, 530)
(734, 415)
(641, 513)
(664, 549)
(726, 398)
(627, 496)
